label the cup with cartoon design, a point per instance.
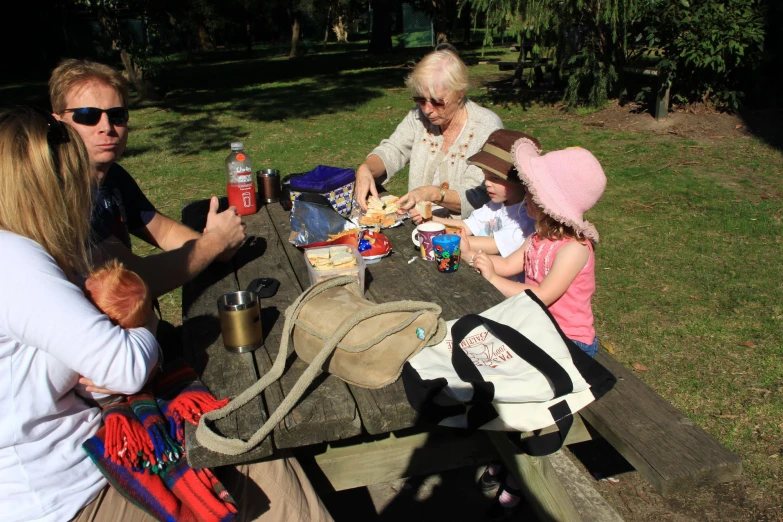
(447, 253)
(423, 235)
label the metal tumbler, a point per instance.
(269, 184)
(240, 321)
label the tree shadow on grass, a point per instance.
(218, 97)
(226, 75)
(212, 114)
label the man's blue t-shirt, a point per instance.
(120, 207)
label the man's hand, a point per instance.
(225, 226)
(365, 184)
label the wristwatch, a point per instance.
(442, 195)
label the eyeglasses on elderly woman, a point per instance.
(422, 101)
(90, 116)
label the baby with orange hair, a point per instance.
(120, 294)
(124, 297)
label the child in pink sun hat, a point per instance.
(558, 259)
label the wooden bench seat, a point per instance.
(670, 450)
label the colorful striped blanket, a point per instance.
(141, 450)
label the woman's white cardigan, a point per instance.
(417, 141)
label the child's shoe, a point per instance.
(507, 501)
(491, 478)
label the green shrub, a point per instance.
(709, 47)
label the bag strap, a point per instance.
(482, 411)
(523, 347)
(205, 434)
(540, 445)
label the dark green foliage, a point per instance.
(710, 47)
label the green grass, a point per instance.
(690, 273)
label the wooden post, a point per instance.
(661, 109)
(538, 482)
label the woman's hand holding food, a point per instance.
(415, 216)
(415, 196)
(365, 184)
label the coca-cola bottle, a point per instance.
(240, 189)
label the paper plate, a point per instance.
(355, 221)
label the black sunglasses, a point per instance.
(92, 115)
(56, 133)
(421, 100)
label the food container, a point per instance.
(316, 276)
(334, 183)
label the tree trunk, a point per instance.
(340, 29)
(111, 26)
(444, 21)
(294, 36)
(380, 38)
(249, 37)
(143, 87)
(467, 23)
(326, 30)
(205, 41)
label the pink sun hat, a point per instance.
(564, 183)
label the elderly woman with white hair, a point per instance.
(435, 138)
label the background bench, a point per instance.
(661, 87)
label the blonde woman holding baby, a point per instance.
(51, 335)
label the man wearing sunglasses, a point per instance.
(93, 99)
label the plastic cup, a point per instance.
(446, 250)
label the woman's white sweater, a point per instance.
(418, 142)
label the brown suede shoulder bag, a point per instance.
(336, 330)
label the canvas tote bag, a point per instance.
(510, 368)
(336, 330)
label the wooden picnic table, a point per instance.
(361, 436)
(526, 60)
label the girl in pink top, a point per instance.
(558, 260)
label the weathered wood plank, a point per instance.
(538, 482)
(327, 411)
(587, 501)
(399, 456)
(459, 293)
(281, 221)
(203, 348)
(670, 450)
